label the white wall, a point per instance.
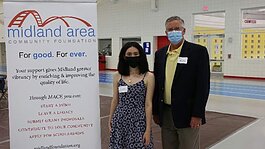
(2, 52)
(134, 18)
(129, 18)
(1, 25)
(237, 66)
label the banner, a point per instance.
(52, 72)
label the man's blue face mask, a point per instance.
(174, 36)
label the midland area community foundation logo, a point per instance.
(39, 28)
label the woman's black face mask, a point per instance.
(132, 61)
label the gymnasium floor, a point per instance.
(230, 96)
(235, 115)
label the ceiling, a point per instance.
(208, 18)
(217, 20)
(257, 14)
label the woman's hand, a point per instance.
(146, 138)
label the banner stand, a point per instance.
(52, 72)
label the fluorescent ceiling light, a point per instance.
(262, 9)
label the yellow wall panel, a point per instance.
(253, 41)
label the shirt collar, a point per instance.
(175, 51)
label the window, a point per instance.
(252, 33)
(104, 47)
(211, 27)
(125, 40)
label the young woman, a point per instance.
(131, 107)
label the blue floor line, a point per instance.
(258, 93)
(237, 85)
(237, 95)
(244, 90)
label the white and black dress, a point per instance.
(129, 118)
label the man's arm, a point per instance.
(155, 107)
(202, 84)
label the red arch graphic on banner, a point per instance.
(19, 19)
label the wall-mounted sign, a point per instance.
(147, 47)
(250, 21)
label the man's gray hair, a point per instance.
(174, 18)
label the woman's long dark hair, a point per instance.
(123, 67)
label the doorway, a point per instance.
(208, 31)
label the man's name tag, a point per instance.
(182, 60)
(123, 89)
